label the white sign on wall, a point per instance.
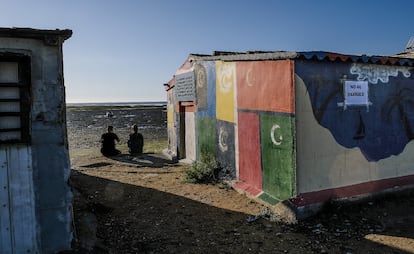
(356, 93)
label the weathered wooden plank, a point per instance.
(5, 229)
(22, 200)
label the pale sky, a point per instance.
(125, 50)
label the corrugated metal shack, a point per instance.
(298, 127)
(35, 198)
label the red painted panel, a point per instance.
(266, 86)
(247, 188)
(250, 169)
(351, 190)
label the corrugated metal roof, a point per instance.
(308, 55)
(386, 60)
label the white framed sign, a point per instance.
(356, 93)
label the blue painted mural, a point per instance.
(205, 73)
(206, 89)
(383, 126)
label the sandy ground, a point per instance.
(141, 205)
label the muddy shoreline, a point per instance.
(86, 124)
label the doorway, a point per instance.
(187, 147)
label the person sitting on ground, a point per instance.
(108, 143)
(135, 142)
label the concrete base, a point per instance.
(291, 212)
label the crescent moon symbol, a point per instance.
(200, 77)
(223, 140)
(226, 78)
(248, 81)
(272, 135)
(226, 83)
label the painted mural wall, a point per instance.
(215, 116)
(340, 144)
(226, 117)
(265, 100)
(245, 116)
(206, 108)
(288, 128)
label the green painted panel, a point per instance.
(269, 199)
(278, 156)
(206, 135)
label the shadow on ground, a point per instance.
(113, 217)
(152, 160)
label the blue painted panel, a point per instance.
(208, 110)
(381, 130)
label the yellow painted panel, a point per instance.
(170, 117)
(225, 89)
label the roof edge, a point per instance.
(307, 55)
(246, 56)
(50, 37)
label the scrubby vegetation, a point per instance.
(205, 170)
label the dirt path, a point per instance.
(141, 205)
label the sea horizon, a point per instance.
(117, 104)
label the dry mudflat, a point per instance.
(141, 204)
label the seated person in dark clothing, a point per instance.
(135, 142)
(108, 143)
